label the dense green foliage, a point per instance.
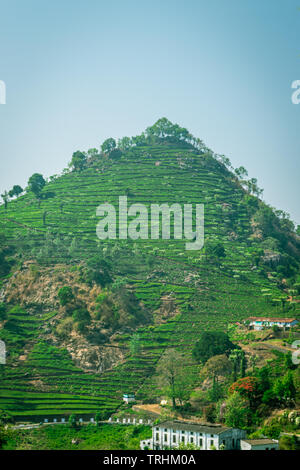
(15, 191)
(64, 437)
(108, 145)
(78, 161)
(36, 183)
(65, 295)
(210, 344)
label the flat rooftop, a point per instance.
(257, 442)
(194, 427)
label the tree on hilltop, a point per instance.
(163, 129)
(36, 184)
(15, 191)
(108, 145)
(78, 161)
(124, 143)
(241, 172)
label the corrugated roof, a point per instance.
(257, 442)
(283, 320)
(195, 427)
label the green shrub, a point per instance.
(3, 314)
(65, 295)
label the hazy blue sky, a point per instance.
(79, 71)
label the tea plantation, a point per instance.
(182, 292)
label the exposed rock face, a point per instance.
(167, 309)
(35, 285)
(36, 290)
(271, 258)
(95, 358)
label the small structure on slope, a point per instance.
(259, 444)
(129, 397)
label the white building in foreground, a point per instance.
(259, 444)
(170, 434)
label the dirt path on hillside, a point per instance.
(153, 408)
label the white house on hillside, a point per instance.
(129, 397)
(259, 323)
(209, 436)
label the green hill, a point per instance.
(134, 298)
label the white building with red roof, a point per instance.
(259, 323)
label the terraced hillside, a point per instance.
(249, 266)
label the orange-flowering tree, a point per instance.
(247, 387)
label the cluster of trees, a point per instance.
(241, 400)
(15, 191)
(277, 231)
(272, 222)
(251, 184)
(212, 343)
(35, 184)
(220, 358)
(81, 160)
(241, 174)
(162, 130)
(113, 308)
(238, 395)
(119, 308)
(97, 270)
(253, 397)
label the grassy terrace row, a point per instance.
(106, 185)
